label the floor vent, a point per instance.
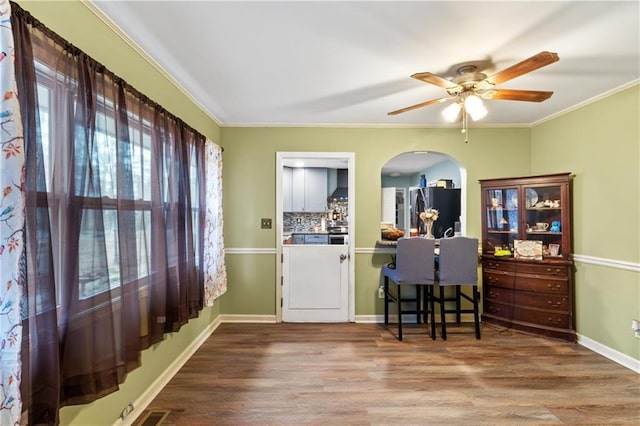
(153, 418)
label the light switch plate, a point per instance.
(265, 223)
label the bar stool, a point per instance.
(414, 266)
(458, 266)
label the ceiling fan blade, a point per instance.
(533, 63)
(521, 95)
(428, 77)
(416, 106)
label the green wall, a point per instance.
(600, 144)
(249, 194)
(250, 159)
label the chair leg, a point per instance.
(476, 317)
(443, 324)
(458, 305)
(427, 309)
(418, 311)
(430, 289)
(425, 305)
(399, 304)
(386, 300)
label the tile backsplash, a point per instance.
(301, 222)
(306, 222)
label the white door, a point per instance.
(315, 283)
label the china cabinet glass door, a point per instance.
(502, 216)
(543, 217)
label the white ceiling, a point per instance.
(348, 63)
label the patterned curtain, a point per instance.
(11, 227)
(215, 283)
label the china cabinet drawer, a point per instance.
(543, 285)
(542, 301)
(498, 294)
(499, 279)
(540, 317)
(498, 266)
(497, 309)
(553, 270)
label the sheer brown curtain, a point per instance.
(113, 242)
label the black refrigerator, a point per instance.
(445, 200)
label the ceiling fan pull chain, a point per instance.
(465, 122)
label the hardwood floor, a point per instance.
(336, 374)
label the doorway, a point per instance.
(315, 282)
(401, 177)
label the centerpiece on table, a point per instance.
(428, 216)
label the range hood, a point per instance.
(342, 190)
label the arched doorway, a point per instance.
(403, 197)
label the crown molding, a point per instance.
(95, 9)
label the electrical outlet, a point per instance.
(380, 292)
(127, 410)
(635, 326)
(265, 223)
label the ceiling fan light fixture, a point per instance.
(451, 112)
(474, 106)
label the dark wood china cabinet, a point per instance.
(527, 267)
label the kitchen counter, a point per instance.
(308, 238)
(320, 237)
(387, 243)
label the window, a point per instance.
(114, 223)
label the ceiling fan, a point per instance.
(470, 86)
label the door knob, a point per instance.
(343, 257)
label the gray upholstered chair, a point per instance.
(414, 266)
(458, 266)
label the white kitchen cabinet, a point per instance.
(308, 189)
(297, 189)
(286, 189)
(316, 190)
